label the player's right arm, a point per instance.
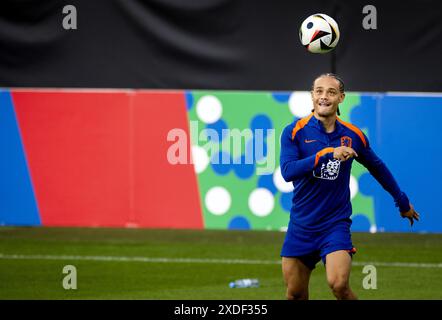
(292, 166)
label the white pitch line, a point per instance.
(400, 264)
(194, 260)
(133, 259)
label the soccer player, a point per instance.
(316, 154)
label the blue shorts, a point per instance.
(310, 247)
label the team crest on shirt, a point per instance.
(329, 171)
(346, 141)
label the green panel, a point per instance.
(238, 110)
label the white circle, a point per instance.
(261, 202)
(283, 229)
(209, 109)
(354, 187)
(200, 159)
(218, 200)
(300, 103)
(280, 183)
(373, 229)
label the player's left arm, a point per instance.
(378, 169)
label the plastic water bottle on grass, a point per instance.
(244, 283)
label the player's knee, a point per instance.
(339, 286)
(297, 294)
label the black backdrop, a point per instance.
(217, 44)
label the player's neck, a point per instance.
(329, 123)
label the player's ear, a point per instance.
(341, 97)
(313, 101)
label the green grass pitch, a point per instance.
(199, 264)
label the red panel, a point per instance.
(99, 159)
(77, 150)
(165, 195)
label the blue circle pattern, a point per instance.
(220, 127)
(261, 121)
(189, 100)
(281, 97)
(239, 223)
(266, 181)
(259, 153)
(242, 169)
(221, 163)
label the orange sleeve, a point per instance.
(324, 151)
(301, 124)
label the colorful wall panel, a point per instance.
(252, 194)
(197, 159)
(95, 159)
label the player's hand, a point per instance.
(344, 153)
(411, 215)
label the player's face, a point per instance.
(326, 96)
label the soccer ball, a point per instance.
(319, 33)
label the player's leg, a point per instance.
(296, 278)
(338, 267)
